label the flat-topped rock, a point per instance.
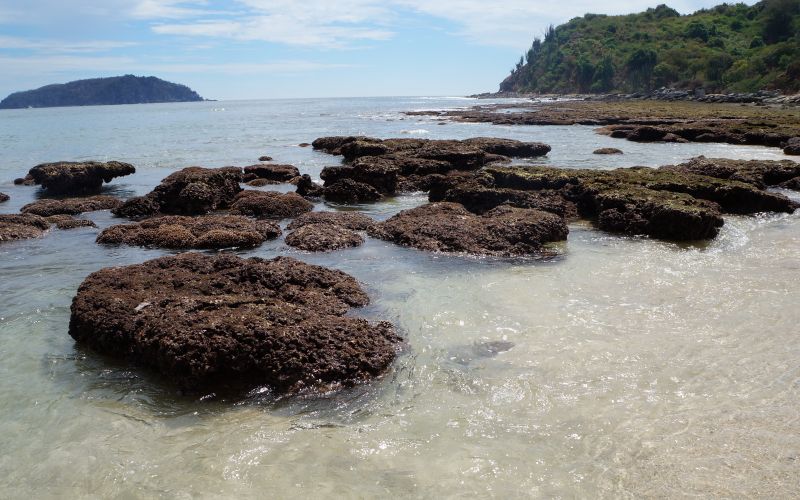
(76, 177)
(71, 206)
(760, 173)
(449, 227)
(321, 237)
(607, 151)
(21, 226)
(270, 204)
(350, 191)
(181, 232)
(65, 222)
(190, 191)
(276, 173)
(355, 221)
(216, 322)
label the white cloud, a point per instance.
(47, 45)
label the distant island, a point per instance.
(128, 89)
(727, 48)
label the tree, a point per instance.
(603, 79)
(778, 20)
(640, 68)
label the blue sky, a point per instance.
(246, 49)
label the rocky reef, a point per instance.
(21, 226)
(270, 204)
(225, 322)
(71, 206)
(75, 178)
(327, 231)
(449, 227)
(181, 232)
(376, 168)
(190, 191)
(273, 174)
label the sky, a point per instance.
(252, 49)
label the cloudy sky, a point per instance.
(243, 49)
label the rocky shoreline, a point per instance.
(762, 97)
(219, 322)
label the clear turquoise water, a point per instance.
(638, 368)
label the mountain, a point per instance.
(728, 48)
(126, 89)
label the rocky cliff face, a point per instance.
(126, 89)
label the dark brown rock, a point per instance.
(509, 147)
(304, 145)
(308, 188)
(608, 151)
(21, 226)
(321, 237)
(759, 173)
(24, 181)
(264, 158)
(277, 173)
(355, 221)
(350, 191)
(449, 227)
(68, 222)
(77, 177)
(270, 204)
(71, 206)
(261, 183)
(792, 146)
(210, 323)
(180, 232)
(191, 191)
(793, 184)
(4, 197)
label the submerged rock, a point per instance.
(270, 204)
(449, 227)
(264, 158)
(209, 322)
(204, 232)
(191, 191)
(68, 222)
(21, 226)
(76, 177)
(261, 182)
(321, 237)
(71, 206)
(350, 191)
(4, 197)
(308, 188)
(608, 151)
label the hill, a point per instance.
(126, 89)
(728, 48)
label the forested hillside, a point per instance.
(728, 48)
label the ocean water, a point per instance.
(630, 367)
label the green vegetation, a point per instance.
(728, 48)
(126, 89)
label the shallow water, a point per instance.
(624, 367)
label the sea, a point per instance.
(622, 367)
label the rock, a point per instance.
(509, 147)
(191, 191)
(180, 232)
(264, 158)
(277, 173)
(646, 134)
(270, 204)
(77, 177)
(759, 173)
(304, 145)
(4, 197)
(355, 221)
(350, 191)
(71, 206)
(793, 184)
(21, 226)
(63, 221)
(308, 188)
(449, 227)
(379, 173)
(261, 183)
(608, 151)
(227, 323)
(24, 181)
(321, 237)
(792, 146)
